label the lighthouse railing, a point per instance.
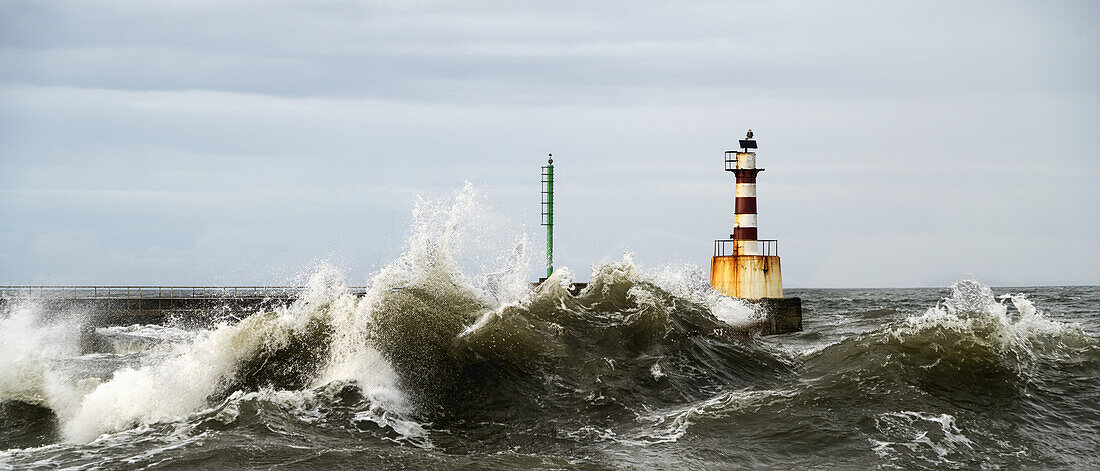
(729, 247)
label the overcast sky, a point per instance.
(905, 143)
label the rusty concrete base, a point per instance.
(747, 276)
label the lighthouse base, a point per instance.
(758, 279)
(747, 276)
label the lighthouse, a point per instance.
(745, 266)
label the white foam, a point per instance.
(141, 337)
(179, 383)
(149, 331)
(974, 309)
(656, 371)
(909, 427)
(671, 425)
(684, 281)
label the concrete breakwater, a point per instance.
(103, 306)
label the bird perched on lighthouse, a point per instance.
(749, 134)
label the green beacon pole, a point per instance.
(548, 212)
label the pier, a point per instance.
(125, 305)
(102, 306)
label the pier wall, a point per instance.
(104, 312)
(782, 314)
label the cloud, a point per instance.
(147, 127)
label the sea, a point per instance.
(436, 366)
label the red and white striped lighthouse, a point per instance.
(745, 266)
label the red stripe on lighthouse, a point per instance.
(745, 205)
(744, 233)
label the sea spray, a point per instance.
(326, 336)
(975, 314)
(458, 241)
(452, 272)
(180, 384)
(32, 349)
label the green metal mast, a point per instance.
(548, 212)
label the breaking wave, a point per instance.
(428, 337)
(955, 386)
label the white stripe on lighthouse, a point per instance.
(748, 247)
(746, 189)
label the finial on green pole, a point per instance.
(548, 212)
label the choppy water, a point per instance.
(643, 370)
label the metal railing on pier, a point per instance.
(729, 247)
(161, 292)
